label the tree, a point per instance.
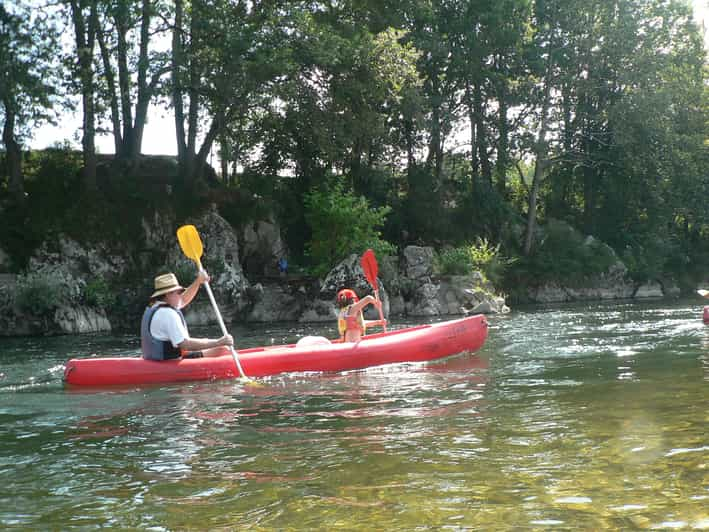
(27, 84)
(125, 37)
(84, 17)
(225, 55)
(342, 224)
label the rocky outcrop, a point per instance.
(55, 296)
(221, 259)
(401, 295)
(71, 272)
(613, 284)
(262, 247)
(81, 319)
(423, 294)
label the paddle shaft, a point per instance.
(381, 313)
(221, 322)
(191, 245)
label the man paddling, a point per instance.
(163, 330)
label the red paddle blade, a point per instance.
(370, 267)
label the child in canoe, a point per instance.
(350, 320)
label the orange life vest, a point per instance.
(345, 322)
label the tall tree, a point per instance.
(27, 83)
(129, 41)
(225, 54)
(84, 17)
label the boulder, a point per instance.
(670, 288)
(220, 257)
(275, 302)
(319, 311)
(650, 289)
(262, 247)
(418, 262)
(81, 319)
(425, 302)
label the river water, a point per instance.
(571, 417)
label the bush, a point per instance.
(98, 294)
(480, 256)
(489, 260)
(566, 256)
(39, 293)
(342, 224)
(454, 261)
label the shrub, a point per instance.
(454, 261)
(489, 260)
(565, 255)
(40, 293)
(480, 256)
(342, 224)
(98, 294)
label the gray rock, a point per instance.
(319, 311)
(276, 303)
(418, 262)
(262, 246)
(651, 289)
(81, 319)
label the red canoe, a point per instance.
(415, 344)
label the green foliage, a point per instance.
(342, 224)
(379, 94)
(39, 294)
(651, 258)
(51, 179)
(565, 255)
(454, 261)
(98, 293)
(480, 256)
(490, 260)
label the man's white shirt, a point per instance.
(167, 325)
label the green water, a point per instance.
(571, 417)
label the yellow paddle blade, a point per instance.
(191, 244)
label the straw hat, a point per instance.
(165, 283)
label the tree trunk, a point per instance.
(16, 183)
(435, 147)
(145, 89)
(124, 81)
(474, 161)
(503, 159)
(541, 159)
(111, 82)
(177, 86)
(482, 146)
(85, 40)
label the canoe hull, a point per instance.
(415, 344)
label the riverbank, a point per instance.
(72, 287)
(75, 288)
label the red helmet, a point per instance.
(344, 295)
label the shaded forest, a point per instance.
(492, 123)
